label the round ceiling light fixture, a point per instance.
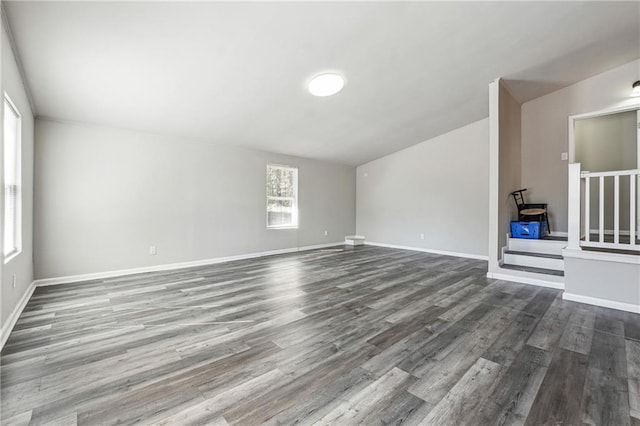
(326, 84)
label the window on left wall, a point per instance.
(12, 243)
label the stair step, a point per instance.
(555, 238)
(535, 260)
(534, 270)
(528, 253)
(544, 246)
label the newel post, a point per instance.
(574, 207)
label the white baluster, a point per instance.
(616, 209)
(587, 209)
(601, 200)
(632, 209)
(573, 242)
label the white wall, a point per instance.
(494, 176)
(602, 279)
(504, 165)
(545, 133)
(22, 264)
(439, 187)
(104, 195)
(509, 160)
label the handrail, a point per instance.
(611, 173)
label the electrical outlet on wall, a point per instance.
(153, 250)
(326, 233)
(422, 236)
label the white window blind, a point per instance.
(12, 180)
(282, 196)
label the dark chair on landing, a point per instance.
(530, 212)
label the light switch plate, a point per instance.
(564, 156)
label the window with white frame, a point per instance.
(12, 180)
(282, 196)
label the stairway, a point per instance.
(537, 256)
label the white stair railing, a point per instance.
(604, 238)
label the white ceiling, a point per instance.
(236, 73)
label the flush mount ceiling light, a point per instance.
(326, 84)
(636, 89)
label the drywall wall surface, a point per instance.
(21, 265)
(605, 280)
(606, 143)
(545, 133)
(494, 175)
(509, 151)
(437, 189)
(105, 195)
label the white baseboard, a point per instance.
(628, 307)
(526, 280)
(559, 234)
(442, 252)
(13, 317)
(171, 266)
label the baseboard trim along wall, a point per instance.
(433, 251)
(559, 234)
(13, 317)
(171, 266)
(628, 307)
(526, 280)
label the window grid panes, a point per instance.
(12, 180)
(282, 196)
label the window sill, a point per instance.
(10, 256)
(281, 227)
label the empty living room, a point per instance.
(320, 213)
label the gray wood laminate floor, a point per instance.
(362, 336)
